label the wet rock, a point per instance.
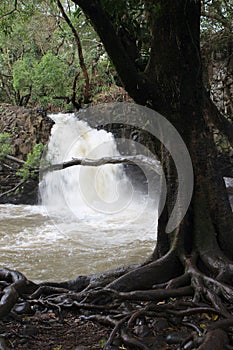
(23, 308)
(26, 128)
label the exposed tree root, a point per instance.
(158, 294)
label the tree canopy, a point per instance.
(39, 57)
(46, 33)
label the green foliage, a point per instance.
(22, 77)
(50, 77)
(32, 162)
(5, 145)
(38, 54)
(132, 18)
(102, 343)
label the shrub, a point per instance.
(5, 145)
(32, 162)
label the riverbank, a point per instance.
(50, 332)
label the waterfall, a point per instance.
(82, 193)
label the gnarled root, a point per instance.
(136, 300)
(15, 284)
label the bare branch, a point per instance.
(130, 160)
(14, 159)
(12, 189)
(80, 53)
(137, 84)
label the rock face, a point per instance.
(27, 128)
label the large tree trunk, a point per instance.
(172, 85)
(176, 66)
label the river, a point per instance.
(43, 249)
(90, 220)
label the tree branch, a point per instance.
(12, 189)
(76, 104)
(136, 84)
(14, 159)
(80, 53)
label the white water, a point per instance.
(91, 218)
(92, 195)
(83, 190)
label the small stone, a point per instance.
(174, 338)
(188, 345)
(23, 308)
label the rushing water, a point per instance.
(32, 243)
(91, 219)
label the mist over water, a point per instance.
(90, 218)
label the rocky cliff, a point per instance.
(27, 127)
